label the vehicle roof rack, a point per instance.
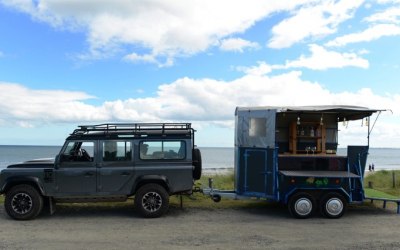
(133, 128)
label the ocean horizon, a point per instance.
(215, 159)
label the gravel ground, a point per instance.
(269, 227)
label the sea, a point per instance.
(215, 160)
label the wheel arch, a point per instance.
(17, 180)
(156, 179)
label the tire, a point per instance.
(151, 200)
(333, 205)
(23, 202)
(197, 164)
(301, 205)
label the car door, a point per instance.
(76, 170)
(115, 169)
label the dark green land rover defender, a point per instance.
(108, 162)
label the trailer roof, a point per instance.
(342, 111)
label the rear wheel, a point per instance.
(302, 205)
(151, 200)
(23, 202)
(333, 205)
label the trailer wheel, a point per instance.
(333, 205)
(302, 205)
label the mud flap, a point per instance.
(52, 206)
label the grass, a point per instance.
(383, 185)
(378, 194)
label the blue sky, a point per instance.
(64, 63)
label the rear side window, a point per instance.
(162, 150)
(117, 151)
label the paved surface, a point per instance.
(269, 227)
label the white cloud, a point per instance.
(25, 105)
(390, 15)
(184, 99)
(164, 29)
(373, 33)
(237, 44)
(201, 101)
(388, 1)
(261, 69)
(140, 58)
(1, 54)
(322, 59)
(312, 21)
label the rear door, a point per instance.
(115, 168)
(260, 172)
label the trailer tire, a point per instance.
(197, 164)
(301, 205)
(333, 205)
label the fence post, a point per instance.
(394, 179)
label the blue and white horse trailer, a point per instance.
(289, 155)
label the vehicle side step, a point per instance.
(91, 199)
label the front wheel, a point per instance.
(23, 202)
(302, 205)
(151, 200)
(333, 205)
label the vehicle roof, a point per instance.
(132, 130)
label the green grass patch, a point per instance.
(378, 194)
(1, 199)
(382, 183)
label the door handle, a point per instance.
(125, 173)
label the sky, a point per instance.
(67, 63)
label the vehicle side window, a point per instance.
(162, 150)
(117, 151)
(78, 151)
